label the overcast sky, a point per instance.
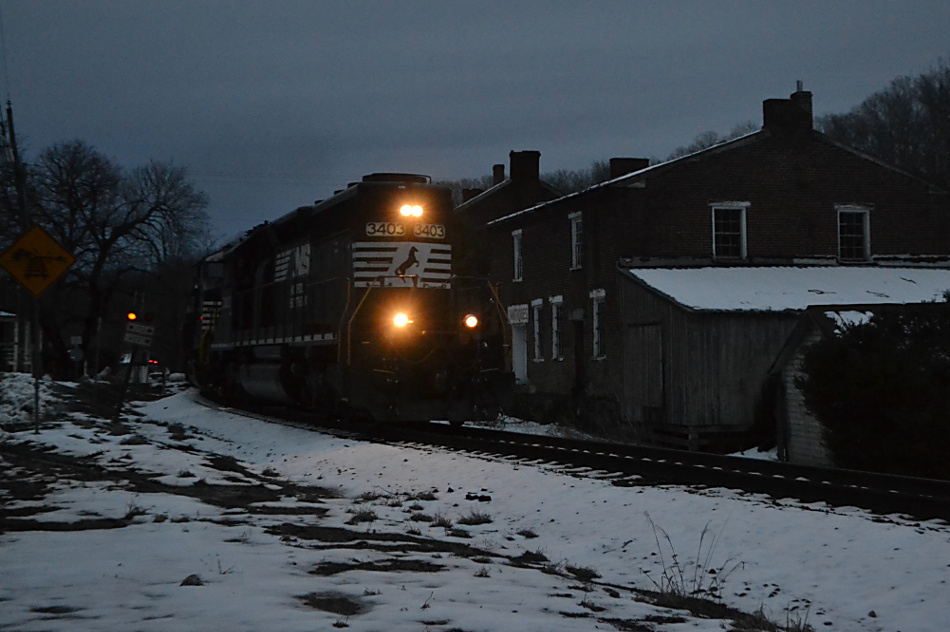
(272, 104)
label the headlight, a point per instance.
(411, 210)
(401, 319)
(470, 321)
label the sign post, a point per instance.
(36, 261)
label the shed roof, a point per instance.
(793, 288)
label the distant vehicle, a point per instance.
(352, 307)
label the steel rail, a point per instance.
(629, 465)
(917, 498)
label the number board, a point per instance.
(398, 229)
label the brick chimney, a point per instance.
(525, 165)
(792, 115)
(623, 166)
(497, 174)
(802, 98)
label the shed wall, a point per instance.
(696, 372)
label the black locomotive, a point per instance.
(352, 306)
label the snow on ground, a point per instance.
(272, 538)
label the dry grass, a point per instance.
(363, 515)
(473, 518)
(696, 578)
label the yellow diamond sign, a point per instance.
(36, 260)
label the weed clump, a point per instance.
(475, 518)
(698, 578)
(364, 515)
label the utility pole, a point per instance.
(19, 183)
(19, 176)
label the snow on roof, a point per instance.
(791, 288)
(848, 317)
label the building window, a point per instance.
(536, 306)
(599, 347)
(518, 317)
(854, 233)
(577, 241)
(516, 245)
(557, 313)
(729, 234)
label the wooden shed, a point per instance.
(698, 344)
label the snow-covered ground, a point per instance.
(285, 546)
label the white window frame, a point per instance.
(598, 304)
(557, 324)
(865, 213)
(742, 207)
(536, 307)
(518, 260)
(577, 240)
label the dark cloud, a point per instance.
(274, 103)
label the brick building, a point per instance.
(784, 195)
(523, 189)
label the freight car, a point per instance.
(352, 306)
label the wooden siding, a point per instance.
(704, 370)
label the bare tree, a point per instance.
(933, 91)
(571, 181)
(884, 125)
(114, 223)
(710, 139)
(906, 124)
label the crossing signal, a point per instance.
(134, 316)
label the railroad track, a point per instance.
(916, 498)
(913, 498)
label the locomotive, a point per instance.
(352, 307)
